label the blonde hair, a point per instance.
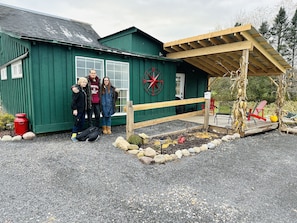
(82, 80)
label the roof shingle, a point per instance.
(32, 25)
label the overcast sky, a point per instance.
(166, 20)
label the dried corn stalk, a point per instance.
(239, 83)
(281, 93)
(240, 105)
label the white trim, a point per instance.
(180, 85)
(4, 73)
(17, 69)
(100, 72)
(113, 78)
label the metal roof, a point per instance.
(219, 52)
(25, 24)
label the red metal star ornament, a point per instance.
(151, 81)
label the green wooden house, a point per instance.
(41, 56)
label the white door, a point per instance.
(180, 85)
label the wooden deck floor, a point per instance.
(223, 124)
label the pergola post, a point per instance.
(280, 96)
(280, 100)
(207, 97)
(239, 109)
(129, 120)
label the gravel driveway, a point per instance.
(51, 179)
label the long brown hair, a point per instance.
(106, 86)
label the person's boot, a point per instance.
(108, 129)
(104, 129)
(73, 137)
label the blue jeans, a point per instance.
(106, 121)
(79, 122)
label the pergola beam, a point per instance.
(236, 29)
(263, 51)
(212, 50)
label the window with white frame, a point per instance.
(3, 73)
(118, 72)
(16, 69)
(85, 64)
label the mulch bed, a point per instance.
(192, 139)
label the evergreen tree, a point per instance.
(264, 30)
(292, 39)
(279, 31)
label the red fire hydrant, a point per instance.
(21, 124)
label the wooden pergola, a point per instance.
(240, 48)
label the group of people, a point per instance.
(90, 97)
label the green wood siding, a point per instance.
(134, 41)
(138, 94)
(142, 45)
(53, 75)
(195, 83)
(122, 43)
(15, 93)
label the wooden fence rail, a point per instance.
(130, 109)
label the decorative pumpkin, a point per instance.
(273, 118)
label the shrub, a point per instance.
(135, 139)
(5, 119)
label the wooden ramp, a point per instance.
(260, 127)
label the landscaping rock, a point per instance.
(29, 136)
(6, 138)
(133, 151)
(168, 158)
(191, 150)
(121, 143)
(174, 156)
(211, 145)
(204, 147)
(140, 154)
(197, 149)
(185, 152)
(179, 154)
(146, 160)
(132, 147)
(150, 152)
(16, 138)
(159, 158)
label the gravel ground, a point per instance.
(51, 179)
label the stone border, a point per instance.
(26, 136)
(150, 156)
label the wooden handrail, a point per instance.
(130, 109)
(141, 107)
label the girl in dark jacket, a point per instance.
(79, 106)
(107, 99)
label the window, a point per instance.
(85, 64)
(118, 72)
(16, 70)
(4, 73)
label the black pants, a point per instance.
(94, 110)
